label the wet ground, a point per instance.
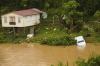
(41, 55)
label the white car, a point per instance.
(80, 41)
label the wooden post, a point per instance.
(24, 30)
(32, 30)
(14, 31)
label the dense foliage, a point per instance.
(66, 41)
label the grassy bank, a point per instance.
(51, 33)
(10, 38)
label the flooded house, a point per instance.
(22, 19)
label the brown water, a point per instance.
(40, 55)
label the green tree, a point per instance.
(72, 15)
(88, 7)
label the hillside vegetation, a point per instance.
(66, 19)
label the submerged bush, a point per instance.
(94, 61)
(61, 64)
(59, 41)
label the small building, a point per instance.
(22, 18)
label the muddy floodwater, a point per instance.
(41, 55)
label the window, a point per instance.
(12, 19)
(12, 23)
(5, 19)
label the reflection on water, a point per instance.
(39, 55)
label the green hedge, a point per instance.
(59, 41)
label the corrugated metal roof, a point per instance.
(28, 12)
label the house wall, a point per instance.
(31, 20)
(6, 24)
(24, 20)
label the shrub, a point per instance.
(81, 62)
(5, 38)
(61, 64)
(93, 61)
(2, 38)
(59, 41)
